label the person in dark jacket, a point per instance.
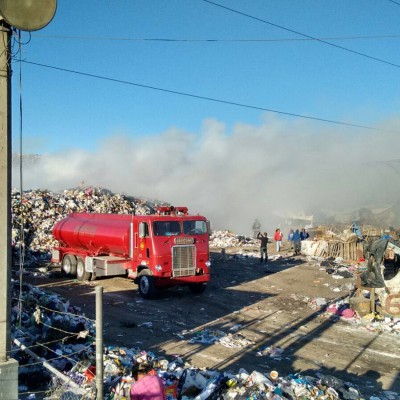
(296, 242)
(263, 237)
(304, 234)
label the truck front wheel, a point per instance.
(198, 288)
(81, 273)
(147, 287)
(69, 265)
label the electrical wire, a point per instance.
(388, 163)
(232, 103)
(395, 2)
(302, 34)
(99, 38)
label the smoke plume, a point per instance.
(276, 168)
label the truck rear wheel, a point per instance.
(198, 288)
(147, 287)
(69, 265)
(81, 273)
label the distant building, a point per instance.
(299, 221)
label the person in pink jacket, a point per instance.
(148, 385)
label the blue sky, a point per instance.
(301, 77)
(71, 114)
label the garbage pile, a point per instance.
(35, 213)
(208, 336)
(55, 331)
(59, 334)
(342, 309)
(224, 239)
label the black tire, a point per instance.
(69, 265)
(147, 288)
(81, 273)
(198, 288)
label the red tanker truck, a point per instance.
(164, 249)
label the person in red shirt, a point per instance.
(278, 239)
(148, 385)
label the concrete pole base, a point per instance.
(9, 380)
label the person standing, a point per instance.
(148, 385)
(304, 234)
(263, 237)
(296, 242)
(278, 239)
(290, 238)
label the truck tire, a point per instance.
(146, 284)
(198, 288)
(69, 265)
(81, 273)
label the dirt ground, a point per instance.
(269, 303)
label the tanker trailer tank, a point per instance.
(95, 234)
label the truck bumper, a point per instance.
(182, 280)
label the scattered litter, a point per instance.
(270, 351)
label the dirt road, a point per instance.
(265, 304)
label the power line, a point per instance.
(395, 2)
(302, 34)
(207, 98)
(99, 38)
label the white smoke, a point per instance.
(234, 177)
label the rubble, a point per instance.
(208, 336)
(35, 213)
(51, 321)
(67, 342)
(67, 336)
(224, 239)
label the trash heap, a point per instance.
(35, 213)
(208, 336)
(345, 245)
(343, 308)
(59, 334)
(55, 331)
(224, 239)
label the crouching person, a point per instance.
(148, 385)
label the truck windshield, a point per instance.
(166, 228)
(194, 227)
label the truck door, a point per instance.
(143, 247)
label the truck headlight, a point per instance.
(208, 264)
(158, 268)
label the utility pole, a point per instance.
(99, 343)
(8, 366)
(30, 16)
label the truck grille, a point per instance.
(183, 260)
